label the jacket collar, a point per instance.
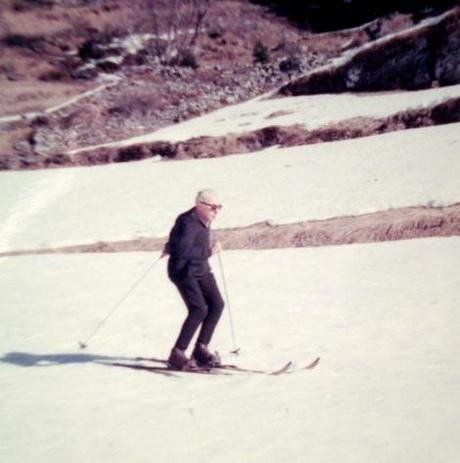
(198, 218)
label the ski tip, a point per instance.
(235, 351)
(313, 364)
(282, 370)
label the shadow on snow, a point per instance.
(25, 359)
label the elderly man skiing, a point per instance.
(189, 248)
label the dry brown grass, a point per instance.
(390, 225)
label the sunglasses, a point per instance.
(213, 207)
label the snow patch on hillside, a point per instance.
(383, 318)
(419, 167)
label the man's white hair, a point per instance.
(206, 196)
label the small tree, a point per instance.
(175, 25)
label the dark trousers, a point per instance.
(204, 304)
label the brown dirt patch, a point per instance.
(36, 96)
(390, 225)
(149, 96)
(295, 135)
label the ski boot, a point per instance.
(179, 361)
(203, 357)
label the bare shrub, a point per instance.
(175, 25)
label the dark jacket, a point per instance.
(188, 247)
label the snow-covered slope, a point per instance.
(84, 205)
(383, 318)
(311, 112)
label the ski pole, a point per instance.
(235, 350)
(84, 344)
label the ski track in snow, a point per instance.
(32, 198)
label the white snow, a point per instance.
(383, 318)
(311, 112)
(62, 207)
(133, 42)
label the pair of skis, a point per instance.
(155, 365)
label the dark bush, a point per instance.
(108, 66)
(40, 121)
(29, 42)
(164, 149)
(40, 2)
(54, 75)
(23, 5)
(290, 64)
(131, 153)
(118, 111)
(18, 40)
(214, 33)
(186, 58)
(91, 49)
(260, 53)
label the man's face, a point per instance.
(209, 208)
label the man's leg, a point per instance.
(215, 305)
(191, 292)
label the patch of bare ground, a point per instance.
(295, 135)
(56, 51)
(36, 95)
(390, 225)
(53, 50)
